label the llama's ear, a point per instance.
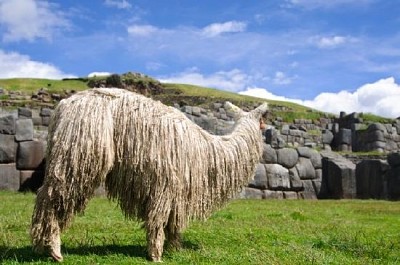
(229, 106)
(260, 110)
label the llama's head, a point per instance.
(256, 113)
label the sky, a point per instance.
(337, 55)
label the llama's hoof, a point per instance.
(56, 257)
(155, 259)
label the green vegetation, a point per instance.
(368, 117)
(244, 232)
(29, 85)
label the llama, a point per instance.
(158, 165)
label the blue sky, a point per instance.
(331, 55)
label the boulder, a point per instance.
(23, 130)
(24, 113)
(30, 155)
(309, 191)
(371, 179)
(295, 182)
(278, 177)
(290, 195)
(9, 177)
(251, 193)
(260, 179)
(339, 175)
(394, 183)
(7, 124)
(394, 159)
(269, 155)
(272, 194)
(287, 157)
(344, 136)
(8, 148)
(305, 168)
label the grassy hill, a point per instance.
(19, 91)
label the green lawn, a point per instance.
(244, 232)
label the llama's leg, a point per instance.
(173, 232)
(45, 230)
(155, 241)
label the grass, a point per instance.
(29, 85)
(244, 232)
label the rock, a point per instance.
(23, 130)
(8, 148)
(304, 152)
(7, 124)
(295, 182)
(9, 177)
(305, 168)
(260, 178)
(394, 159)
(30, 155)
(287, 157)
(24, 113)
(269, 155)
(371, 179)
(290, 195)
(271, 194)
(46, 112)
(309, 191)
(316, 159)
(251, 193)
(339, 174)
(344, 136)
(278, 177)
(394, 183)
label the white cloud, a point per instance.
(142, 30)
(216, 29)
(233, 80)
(13, 65)
(93, 74)
(380, 98)
(281, 78)
(30, 19)
(118, 4)
(330, 41)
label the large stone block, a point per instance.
(394, 159)
(278, 177)
(9, 177)
(309, 191)
(290, 195)
(251, 193)
(24, 113)
(30, 155)
(8, 148)
(339, 174)
(287, 157)
(23, 130)
(305, 168)
(344, 136)
(272, 194)
(295, 182)
(394, 183)
(7, 124)
(371, 179)
(260, 178)
(269, 155)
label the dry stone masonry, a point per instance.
(290, 167)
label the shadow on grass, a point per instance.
(26, 254)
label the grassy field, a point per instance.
(244, 232)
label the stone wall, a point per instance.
(290, 167)
(23, 135)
